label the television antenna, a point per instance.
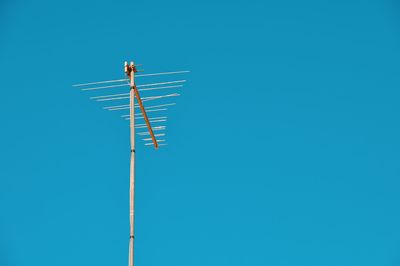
(152, 130)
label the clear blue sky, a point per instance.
(284, 148)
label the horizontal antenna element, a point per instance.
(105, 87)
(162, 73)
(159, 88)
(150, 98)
(121, 80)
(161, 83)
(99, 82)
(109, 96)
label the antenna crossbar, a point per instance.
(121, 80)
(161, 83)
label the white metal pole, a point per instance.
(132, 168)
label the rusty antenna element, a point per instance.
(150, 125)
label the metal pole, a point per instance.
(131, 72)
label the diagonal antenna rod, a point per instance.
(146, 119)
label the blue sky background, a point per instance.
(283, 150)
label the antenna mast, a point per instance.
(150, 137)
(130, 71)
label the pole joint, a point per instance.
(130, 68)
